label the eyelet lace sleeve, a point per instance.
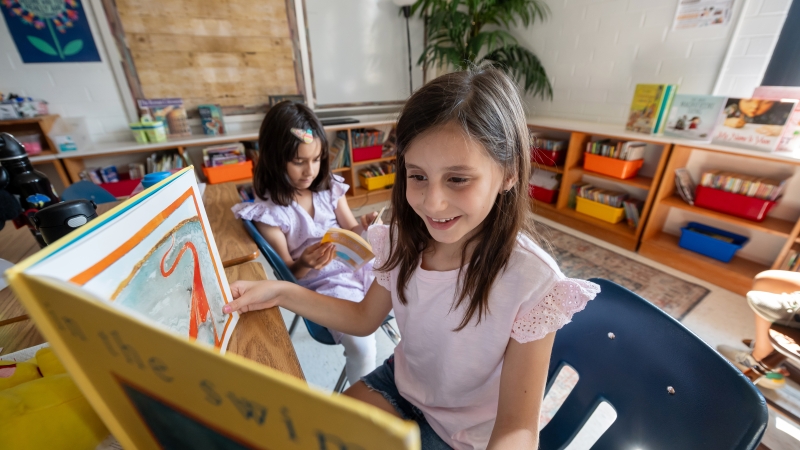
(264, 212)
(338, 189)
(567, 297)
(379, 239)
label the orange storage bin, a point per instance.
(229, 172)
(613, 167)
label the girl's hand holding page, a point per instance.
(252, 296)
(318, 255)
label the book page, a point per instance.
(154, 256)
(351, 248)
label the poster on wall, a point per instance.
(50, 31)
(702, 13)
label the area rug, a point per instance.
(581, 259)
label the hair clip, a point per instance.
(306, 136)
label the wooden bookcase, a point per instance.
(572, 171)
(40, 125)
(737, 275)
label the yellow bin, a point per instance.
(379, 182)
(603, 212)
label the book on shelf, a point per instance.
(684, 185)
(573, 193)
(366, 137)
(747, 185)
(220, 155)
(753, 123)
(212, 119)
(165, 162)
(143, 342)
(351, 249)
(339, 154)
(649, 107)
(599, 195)
(790, 139)
(633, 211)
(694, 116)
(170, 112)
(377, 170)
(628, 151)
(390, 144)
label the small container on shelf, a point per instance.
(738, 205)
(229, 172)
(379, 182)
(367, 153)
(543, 195)
(712, 242)
(31, 141)
(613, 167)
(600, 211)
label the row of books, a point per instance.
(220, 155)
(366, 138)
(339, 154)
(768, 121)
(604, 196)
(633, 211)
(549, 144)
(628, 151)
(747, 185)
(377, 170)
(792, 261)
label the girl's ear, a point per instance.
(510, 182)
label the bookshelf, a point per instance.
(770, 240)
(40, 125)
(572, 171)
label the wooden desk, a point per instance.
(261, 335)
(234, 244)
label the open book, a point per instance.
(351, 248)
(120, 301)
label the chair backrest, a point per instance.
(318, 332)
(710, 404)
(86, 190)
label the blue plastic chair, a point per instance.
(669, 388)
(86, 190)
(317, 332)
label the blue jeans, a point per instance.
(381, 380)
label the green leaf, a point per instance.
(42, 46)
(73, 47)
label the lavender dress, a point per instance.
(301, 230)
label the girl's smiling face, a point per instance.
(452, 182)
(304, 168)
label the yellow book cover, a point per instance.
(645, 108)
(351, 248)
(154, 384)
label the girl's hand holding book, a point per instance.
(370, 219)
(252, 296)
(317, 256)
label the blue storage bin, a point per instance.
(710, 246)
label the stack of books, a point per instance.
(339, 154)
(628, 151)
(220, 155)
(633, 211)
(549, 144)
(604, 196)
(747, 185)
(385, 168)
(650, 107)
(367, 138)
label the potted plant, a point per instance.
(460, 33)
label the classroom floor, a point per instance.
(722, 317)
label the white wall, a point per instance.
(752, 47)
(596, 51)
(72, 89)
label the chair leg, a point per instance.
(339, 388)
(394, 336)
(294, 324)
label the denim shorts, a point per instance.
(381, 380)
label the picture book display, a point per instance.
(212, 119)
(753, 123)
(154, 257)
(351, 248)
(649, 107)
(694, 116)
(170, 112)
(790, 139)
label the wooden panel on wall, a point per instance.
(230, 52)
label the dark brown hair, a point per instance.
(487, 107)
(277, 146)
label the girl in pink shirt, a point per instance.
(476, 299)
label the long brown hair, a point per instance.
(487, 107)
(277, 146)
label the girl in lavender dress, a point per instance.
(298, 200)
